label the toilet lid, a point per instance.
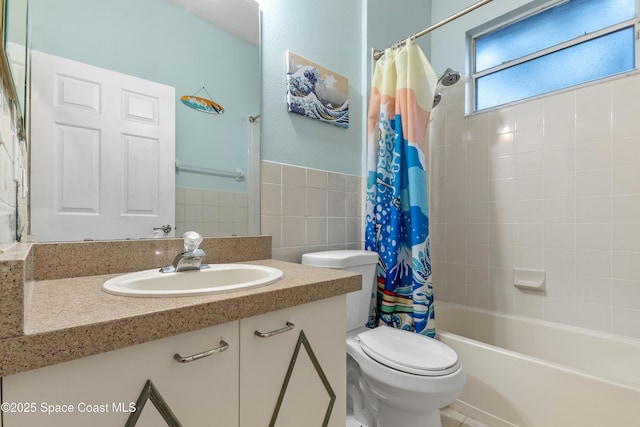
(408, 352)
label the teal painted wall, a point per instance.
(338, 35)
(158, 41)
(328, 33)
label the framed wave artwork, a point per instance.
(316, 92)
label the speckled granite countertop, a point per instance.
(66, 318)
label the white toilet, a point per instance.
(395, 378)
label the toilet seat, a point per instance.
(408, 352)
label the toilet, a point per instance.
(395, 378)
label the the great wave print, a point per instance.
(316, 92)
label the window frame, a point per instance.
(521, 13)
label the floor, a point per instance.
(452, 418)
(449, 417)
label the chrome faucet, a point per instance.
(190, 258)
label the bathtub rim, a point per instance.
(523, 356)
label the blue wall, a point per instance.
(158, 41)
(328, 33)
(338, 35)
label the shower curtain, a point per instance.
(397, 222)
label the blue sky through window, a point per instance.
(549, 28)
(584, 60)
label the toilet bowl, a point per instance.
(395, 378)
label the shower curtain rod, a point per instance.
(377, 54)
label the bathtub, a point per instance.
(529, 373)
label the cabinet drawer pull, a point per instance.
(181, 359)
(269, 334)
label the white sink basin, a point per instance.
(219, 278)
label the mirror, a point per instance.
(15, 45)
(13, 41)
(169, 42)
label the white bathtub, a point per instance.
(528, 373)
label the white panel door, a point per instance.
(102, 152)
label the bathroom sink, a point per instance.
(219, 278)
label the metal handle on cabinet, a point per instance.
(269, 334)
(181, 359)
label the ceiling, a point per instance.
(239, 17)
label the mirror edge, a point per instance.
(8, 84)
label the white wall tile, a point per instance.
(272, 225)
(316, 231)
(308, 211)
(560, 311)
(559, 235)
(294, 175)
(293, 231)
(595, 290)
(560, 260)
(626, 237)
(625, 123)
(559, 110)
(561, 286)
(596, 182)
(293, 200)
(336, 181)
(559, 185)
(271, 199)
(626, 180)
(529, 235)
(501, 145)
(477, 257)
(593, 128)
(529, 211)
(559, 134)
(625, 294)
(626, 265)
(593, 156)
(316, 202)
(585, 105)
(596, 263)
(620, 90)
(317, 178)
(593, 236)
(557, 160)
(593, 209)
(528, 163)
(529, 139)
(270, 172)
(337, 230)
(625, 322)
(625, 208)
(501, 121)
(336, 204)
(593, 316)
(626, 152)
(529, 114)
(529, 187)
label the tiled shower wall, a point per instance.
(307, 210)
(550, 184)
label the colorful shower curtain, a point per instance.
(397, 222)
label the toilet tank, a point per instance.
(363, 262)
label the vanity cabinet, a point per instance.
(295, 374)
(101, 390)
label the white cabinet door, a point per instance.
(100, 390)
(102, 152)
(279, 390)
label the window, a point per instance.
(569, 43)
